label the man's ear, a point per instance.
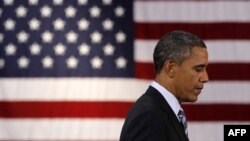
(169, 68)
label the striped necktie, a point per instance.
(183, 120)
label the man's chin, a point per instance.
(192, 99)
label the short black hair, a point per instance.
(176, 46)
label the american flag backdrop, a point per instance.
(71, 69)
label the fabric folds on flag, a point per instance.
(70, 70)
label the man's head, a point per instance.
(180, 60)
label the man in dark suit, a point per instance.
(180, 60)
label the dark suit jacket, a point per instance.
(152, 119)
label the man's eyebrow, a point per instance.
(200, 65)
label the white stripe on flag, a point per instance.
(219, 50)
(60, 129)
(50, 89)
(92, 129)
(186, 11)
(225, 92)
(86, 89)
(208, 131)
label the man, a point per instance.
(180, 60)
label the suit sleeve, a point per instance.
(145, 126)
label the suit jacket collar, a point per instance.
(168, 96)
(152, 92)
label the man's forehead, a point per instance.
(199, 55)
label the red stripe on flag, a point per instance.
(144, 70)
(229, 71)
(204, 30)
(60, 109)
(216, 71)
(58, 140)
(219, 112)
(187, 0)
(195, 112)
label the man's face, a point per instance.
(191, 75)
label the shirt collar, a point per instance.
(169, 97)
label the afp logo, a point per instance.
(236, 132)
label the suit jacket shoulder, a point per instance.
(152, 119)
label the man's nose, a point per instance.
(204, 78)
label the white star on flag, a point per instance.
(119, 11)
(96, 37)
(59, 24)
(10, 49)
(121, 62)
(1, 37)
(120, 37)
(107, 2)
(70, 12)
(34, 24)
(82, 2)
(47, 62)
(71, 37)
(108, 49)
(58, 2)
(46, 11)
(84, 49)
(47, 37)
(95, 11)
(33, 2)
(8, 2)
(83, 24)
(9, 24)
(23, 62)
(72, 62)
(1, 11)
(108, 24)
(59, 49)
(21, 11)
(2, 62)
(96, 62)
(35, 49)
(22, 37)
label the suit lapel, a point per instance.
(170, 113)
